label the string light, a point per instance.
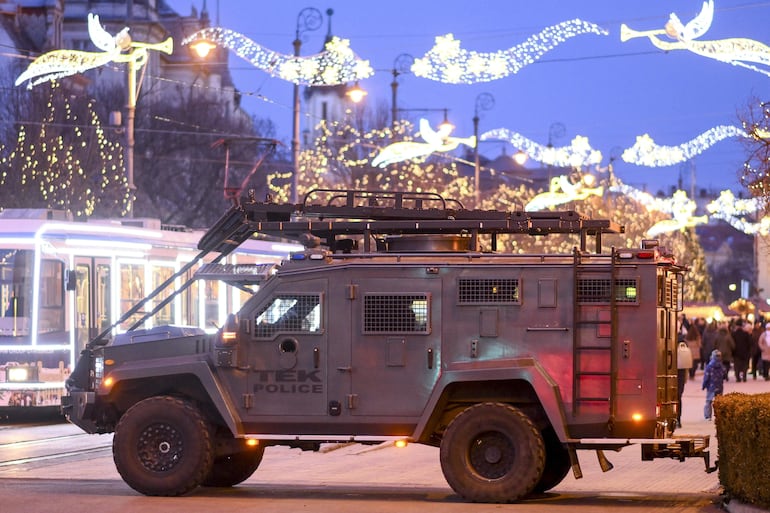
(645, 152)
(337, 64)
(578, 154)
(736, 51)
(448, 62)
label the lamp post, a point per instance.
(484, 101)
(401, 66)
(308, 19)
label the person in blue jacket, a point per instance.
(713, 381)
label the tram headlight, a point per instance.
(21, 373)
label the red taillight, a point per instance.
(645, 254)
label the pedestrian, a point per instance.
(693, 341)
(764, 348)
(713, 381)
(708, 342)
(741, 349)
(725, 344)
(684, 364)
(756, 354)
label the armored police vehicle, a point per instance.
(402, 320)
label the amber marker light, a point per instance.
(636, 417)
(108, 381)
(401, 444)
(252, 442)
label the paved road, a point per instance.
(352, 477)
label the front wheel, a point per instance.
(162, 446)
(492, 452)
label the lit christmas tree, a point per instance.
(64, 159)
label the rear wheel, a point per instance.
(234, 468)
(492, 452)
(162, 446)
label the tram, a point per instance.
(63, 282)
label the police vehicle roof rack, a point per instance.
(328, 213)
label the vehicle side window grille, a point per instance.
(479, 291)
(599, 290)
(391, 313)
(289, 313)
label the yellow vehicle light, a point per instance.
(108, 381)
(252, 442)
(636, 417)
(18, 374)
(400, 443)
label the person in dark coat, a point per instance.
(742, 350)
(725, 344)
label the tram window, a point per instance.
(131, 290)
(159, 275)
(51, 296)
(103, 296)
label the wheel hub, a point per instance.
(160, 447)
(491, 455)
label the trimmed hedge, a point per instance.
(743, 435)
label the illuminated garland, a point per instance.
(337, 64)
(646, 153)
(578, 154)
(447, 62)
(735, 51)
(62, 63)
(733, 210)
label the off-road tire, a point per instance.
(162, 446)
(557, 462)
(492, 452)
(235, 468)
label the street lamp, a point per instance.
(308, 19)
(401, 66)
(484, 101)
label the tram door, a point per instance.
(92, 299)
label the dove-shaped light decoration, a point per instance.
(564, 189)
(448, 62)
(337, 64)
(645, 152)
(742, 52)
(117, 48)
(435, 141)
(678, 205)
